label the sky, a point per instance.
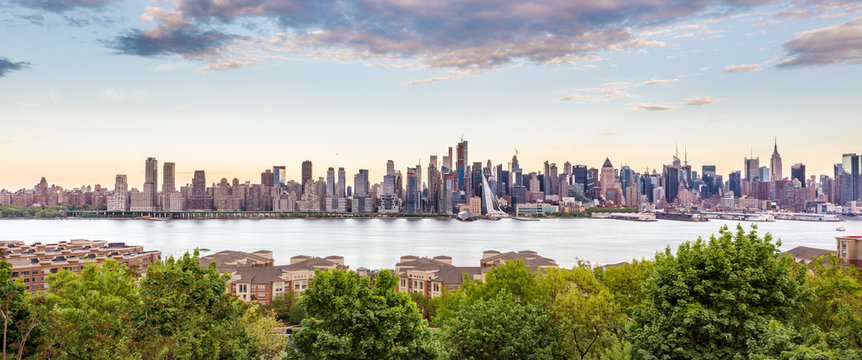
(91, 88)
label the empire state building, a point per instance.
(775, 165)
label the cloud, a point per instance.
(801, 9)
(700, 100)
(653, 107)
(450, 34)
(605, 92)
(59, 6)
(187, 41)
(7, 66)
(837, 44)
(112, 94)
(659, 81)
(742, 68)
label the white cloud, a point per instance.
(700, 100)
(653, 107)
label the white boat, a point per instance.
(840, 228)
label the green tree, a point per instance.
(349, 320)
(584, 312)
(625, 282)
(93, 315)
(287, 308)
(19, 319)
(837, 304)
(713, 299)
(190, 314)
(501, 328)
(266, 332)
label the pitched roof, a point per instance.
(808, 253)
(607, 163)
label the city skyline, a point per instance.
(210, 84)
(137, 178)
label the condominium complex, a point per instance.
(33, 263)
(254, 277)
(431, 276)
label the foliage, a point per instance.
(287, 308)
(93, 315)
(837, 303)
(19, 321)
(265, 332)
(713, 299)
(784, 342)
(589, 320)
(350, 320)
(500, 328)
(625, 282)
(189, 311)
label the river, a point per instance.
(378, 243)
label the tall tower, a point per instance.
(280, 174)
(752, 166)
(461, 164)
(607, 178)
(775, 164)
(151, 183)
(306, 173)
(169, 184)
(342, 182)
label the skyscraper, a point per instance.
(267, 178)
(852, 164)
(775, 164)
(752, 166)
(797, 172)
(340, 184)
(119, 200)
(734, 183)
(764, 174)
(169, 185)
(151, 183)
(199, 199)
(330, 182)
(606, 178)
(462, 164)
(390, 167)
(280, 175)
(306, 173)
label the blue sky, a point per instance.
(90, 88)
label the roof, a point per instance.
(607, 163)
(808, 253)
(444, 272)
(231, 258)
(530, 258)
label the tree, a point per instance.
(265, 332)
(190, 314)
(19, 321)
(837, 304)
(93, 315)
(713, 299)
(348, 320)
(584, 312)
(625, 282)
(500, 328)
(287, 308)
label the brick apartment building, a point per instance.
(254, 277)
(850, 250)
(431, 276)
(33, 263)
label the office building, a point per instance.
(752, 168)
(280, 175)
(797, 172)
(775, 164)
(306, 173)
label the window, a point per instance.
(243, 288)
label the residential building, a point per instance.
(850, 250)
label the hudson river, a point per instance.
(378, 243)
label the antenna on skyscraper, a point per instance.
(462, 137)
(686, 154)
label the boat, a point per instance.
(840, 228)
(524, 218)
(465, 216)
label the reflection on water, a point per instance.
(378, 243)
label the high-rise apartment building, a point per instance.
(606, 179)
(169, 184)
(390, 167)
(340, 183)
(151, 185)
(119, 200)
